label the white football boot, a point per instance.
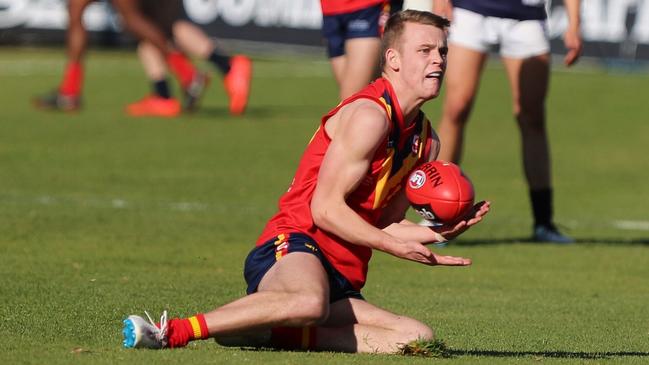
(138, 333)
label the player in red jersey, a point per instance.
(305, 274)
(352, 29)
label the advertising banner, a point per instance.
(611, 28)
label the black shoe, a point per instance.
(58, 101)
(195, 90)
(550, 233)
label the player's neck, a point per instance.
(408, 101)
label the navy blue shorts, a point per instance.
(338, 28)
(263, 257)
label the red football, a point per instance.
(440, 192)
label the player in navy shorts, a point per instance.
(519, 28)
(263, 257)
(352, 30)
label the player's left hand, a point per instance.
(473, 217)
(572, 41)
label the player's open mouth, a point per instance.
(434, 75)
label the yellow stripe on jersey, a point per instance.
(388, 107)
(382, 182)
(386, 184)
(314, 134)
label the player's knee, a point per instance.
(457, 110)
(414, 330)
(310, 309)
(531, 120)
(424, 332)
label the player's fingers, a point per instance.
(459, 225)
(571, 57)
(452, 261)
(474, 221)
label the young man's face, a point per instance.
(422, 50)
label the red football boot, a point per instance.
(237, 83)
(154, 106)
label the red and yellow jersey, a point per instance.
(334, 7)
(405, 146)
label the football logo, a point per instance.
(425, 213)
(417, 179)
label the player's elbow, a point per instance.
(322, 213)
(319, 214)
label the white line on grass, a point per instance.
(632, 225)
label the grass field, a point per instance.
(102, 215)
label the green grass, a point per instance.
(102, 215)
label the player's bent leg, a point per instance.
(361, 64)
(462, 79)
(293, 293)
(355, 325)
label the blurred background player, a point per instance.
(68, 95)
(519, 27)
(352, 29)
(151, 21)
(236, 70)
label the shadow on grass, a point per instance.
(451, 353)
(512, 240)
(548, 354)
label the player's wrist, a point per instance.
(389, 244)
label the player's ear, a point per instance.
(392, 59)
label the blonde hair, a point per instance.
(397, 22)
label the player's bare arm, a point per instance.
(572, 36)
(356, 133)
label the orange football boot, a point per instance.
(237, 83)
(154, 106)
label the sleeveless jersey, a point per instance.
(405, 147)
(335, 7)
(511, 9)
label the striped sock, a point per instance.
(72, 79)
(181, 67)
(294, 338)
(181, 331)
